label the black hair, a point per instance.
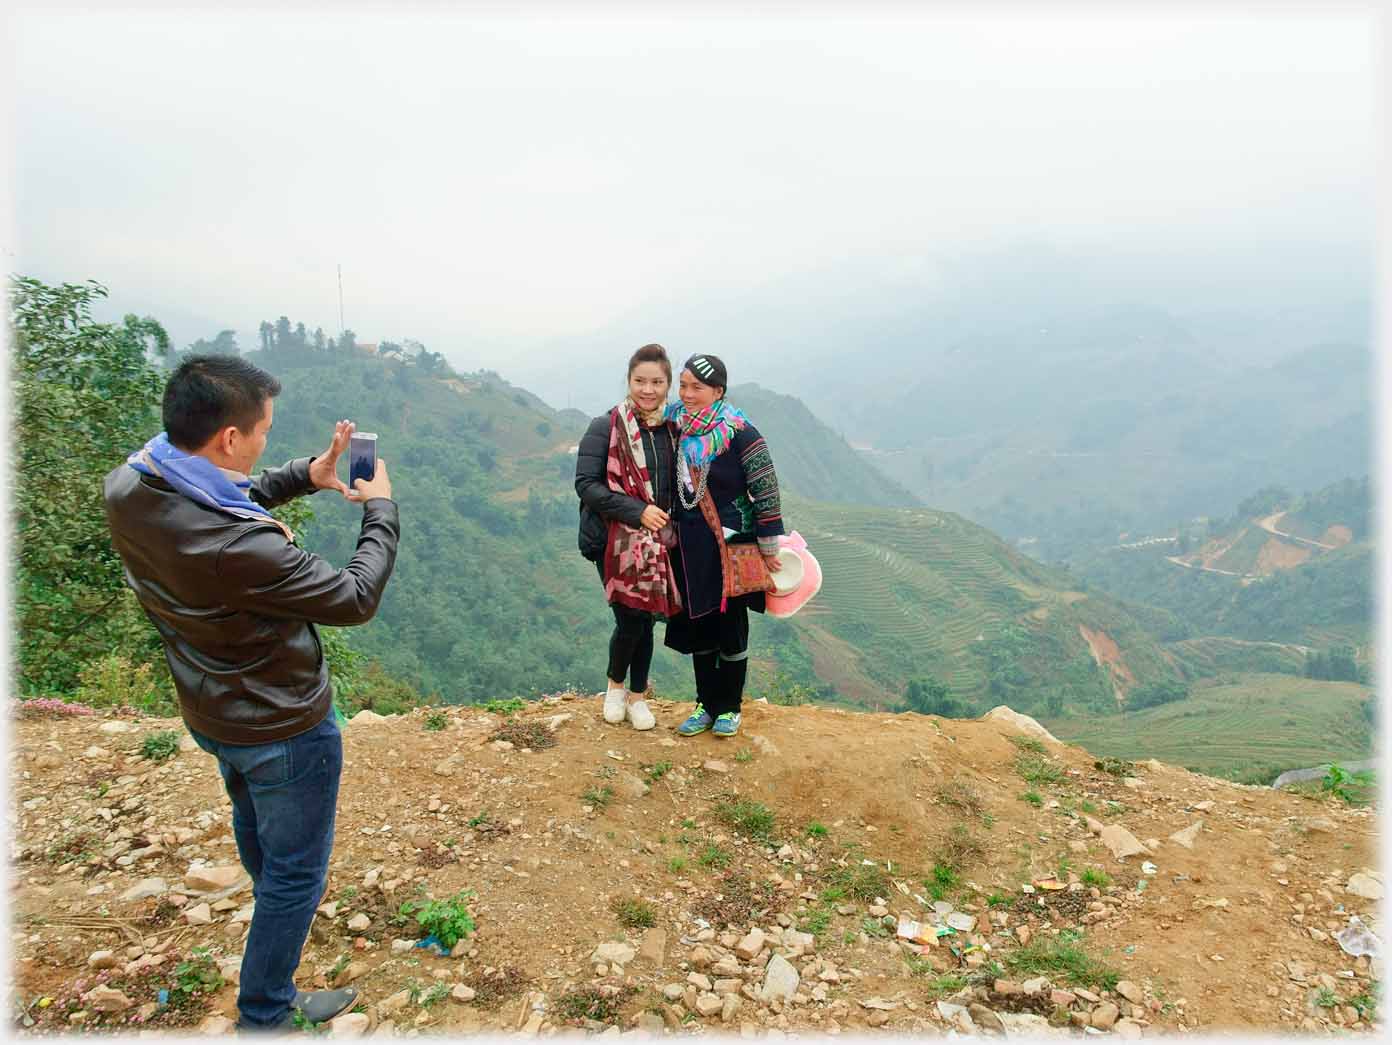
(205, 394)
(651, 354)
(709, 370)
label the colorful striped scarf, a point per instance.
(707, 433)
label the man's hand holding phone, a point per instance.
(378, 486)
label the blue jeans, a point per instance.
(284, 797)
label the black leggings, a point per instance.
(631, 645)
(720, 658)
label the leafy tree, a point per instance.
(931, 697)
(267, 333)
(1336, 664)
(347, 341)
(87, 395)
(1153, 694)
(225, 344)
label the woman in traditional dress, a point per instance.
(728, 521)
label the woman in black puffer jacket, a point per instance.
(625, 474)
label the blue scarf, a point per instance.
(706, 433)
(198, 479)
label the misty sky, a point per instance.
(487, 182)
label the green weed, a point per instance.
(599, 797)
(714, 856)
(160, 745)
(449, 921)
(751, 819)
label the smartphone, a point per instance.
(362, 457)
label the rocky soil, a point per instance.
(822, 872)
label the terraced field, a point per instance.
(1250, 729)
(914, 591)
(1210, 655)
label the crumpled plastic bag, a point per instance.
(1358, 940)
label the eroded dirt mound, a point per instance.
(822, 871)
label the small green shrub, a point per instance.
(861, 880)
(113, 681)
(599, 797)
(160, 745)
(634, 914)
(1034, 798)
(751, 819)
(714, 856)
(449, 921)
(505, 707)
(816, 830)
(436, 721)
(1351, 788)
(658, 771)
(197, 974)
(1037, 770)
(816, 921)
(1063, 961)
(1096, 877)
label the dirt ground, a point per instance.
(1232, 933)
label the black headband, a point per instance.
(709, 369)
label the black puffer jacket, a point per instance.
(236, 603)
(598, 503)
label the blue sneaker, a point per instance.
(727, 725)
(699, 722)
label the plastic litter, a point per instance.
(1358, 940)
(1148, 868)
(909, 929)
(432, 944)
(162, 997)
(1140, 886)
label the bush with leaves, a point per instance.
(86, 395)
(449, 921)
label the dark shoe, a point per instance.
(308, 1008)
(319, 1006)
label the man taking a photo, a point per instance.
(235, 603)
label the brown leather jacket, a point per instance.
(236, 603)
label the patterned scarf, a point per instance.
(706, 433)
(637, 567)
(198, 479)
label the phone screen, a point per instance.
(362, 457)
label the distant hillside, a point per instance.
(1248, 727)
(914, 592)
(1283, 569)
(1100, 432)
(811, 458)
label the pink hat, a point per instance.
(799, 579)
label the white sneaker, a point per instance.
(614, 706)
(640, 715)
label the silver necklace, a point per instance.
(702, 474)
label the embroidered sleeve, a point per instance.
(761, 481)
